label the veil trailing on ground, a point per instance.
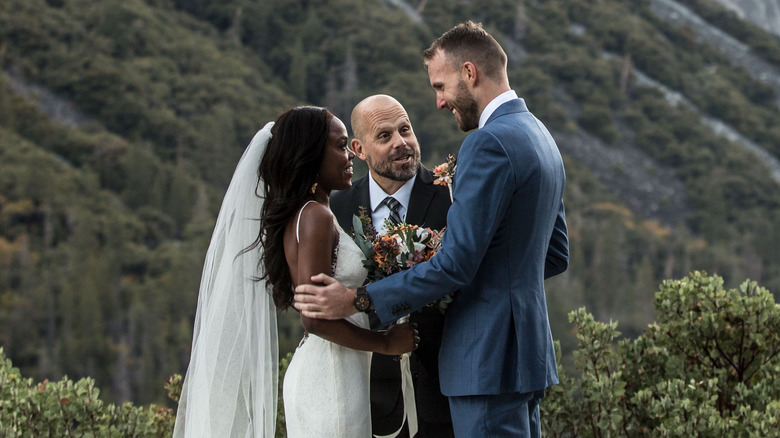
(230, 389)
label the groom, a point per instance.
(385, 140)
(506, 233)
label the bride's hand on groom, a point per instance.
(401, 338)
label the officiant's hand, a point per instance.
(333, 300)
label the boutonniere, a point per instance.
(445, 172)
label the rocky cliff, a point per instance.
(764, 13)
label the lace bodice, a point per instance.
(347, 264)
(349, 270)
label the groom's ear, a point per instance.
(357, 148)
(468, 72)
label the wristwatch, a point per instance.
(362, 300)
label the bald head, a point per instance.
(384, 138)
(369, 108)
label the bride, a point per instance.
(274, 231)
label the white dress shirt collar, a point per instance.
(380, 211)
(502, 98)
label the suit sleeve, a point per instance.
(557, 260)
(485, 183)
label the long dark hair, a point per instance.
(289, 170)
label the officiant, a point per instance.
(398, 187)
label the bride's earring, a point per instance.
(313, 188)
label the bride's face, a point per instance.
(336, 168)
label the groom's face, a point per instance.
(389, 145)
(453, 92)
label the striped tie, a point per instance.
(393, 205)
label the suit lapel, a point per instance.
(420, 199)
(344, 204)
(360, 195)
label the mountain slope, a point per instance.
(121, 121)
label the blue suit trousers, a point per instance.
(514, 415)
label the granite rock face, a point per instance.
(764, 13)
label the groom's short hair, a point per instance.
(468, 41)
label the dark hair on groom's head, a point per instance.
(469, 42)
(289, 169)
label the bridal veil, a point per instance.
(230, 389)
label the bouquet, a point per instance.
(396, 247)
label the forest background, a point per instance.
(121, 122)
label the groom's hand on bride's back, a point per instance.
(330, 300)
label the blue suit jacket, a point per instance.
(506, 233)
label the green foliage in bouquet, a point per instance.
(396, 247)
(706, 368)
(393, 248)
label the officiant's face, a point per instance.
(336, 168)
(389, 145)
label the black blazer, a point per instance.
(428, 205)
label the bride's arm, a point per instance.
(315, 251)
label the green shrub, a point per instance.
(598, 120)
(66, 408)
(706, 368)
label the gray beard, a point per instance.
(402, 175)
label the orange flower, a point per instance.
(445, 173)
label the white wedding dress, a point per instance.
(230, 386)
(326, 388)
